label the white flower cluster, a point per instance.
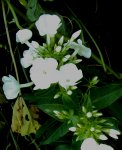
(50, 62)
(93, 130)
(91, 144)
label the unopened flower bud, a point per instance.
(89, 114)
(103, 137)
(73, 129)
(75, 35)
(58, 49)
(61, 40)
(69, 92)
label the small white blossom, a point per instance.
(35, 44)
(74, 87)
(61, 40)
(23, 35)
(27, 59)
(89, 144)
(75, 35)
(73, 129)
(66, 58)
(69, 92)
(58, 49)
(89, 114)
(56, 96)
(43, 72)
(11, 87)
(80, 49)
(92, 129)
(103, 137)
(48, 24)
(69, 75)
(29, 55)
(114, 133)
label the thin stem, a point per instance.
(36, 145)
(26, 85)
(9, 42)
(79, 22)
(14, 141)
(108, 68)
(101, 60)
(14, 15)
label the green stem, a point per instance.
(101, 60)
(14, 141)
(81, 24)
(108, 68)
(36, 145)
(14, 15)
(9, 42)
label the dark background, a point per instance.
(101, 17)
(103, 20)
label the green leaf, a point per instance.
(23, 2)
(64, 147)
(116, 110)
(22, 121)
(59, 132)
(40, 97)
(2, 99)
(2, 124)
(34, 10)
(104, 96)
(44, 127)
(67, 101)
(49, 108)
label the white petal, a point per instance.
(11, 87)
(43, 72)
(113, 131)
(35, 44)
(48, 24)
(73, 129)
(75, 35)
(23, 35)
(89, 144)
(85, 51)
(103, 137)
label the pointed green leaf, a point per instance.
(59, 132)
(64, 147)
(49, 108)
(34, 10)
(104, 96)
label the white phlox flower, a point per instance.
(48, 24)
(23, 35)
(73, 129)
(29, 55)
(27, 59)
(91, 144)
(11, 87)
(80, 49)
(44, 72)
(114, 133)
(69, 75)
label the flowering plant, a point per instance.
(59, 106)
